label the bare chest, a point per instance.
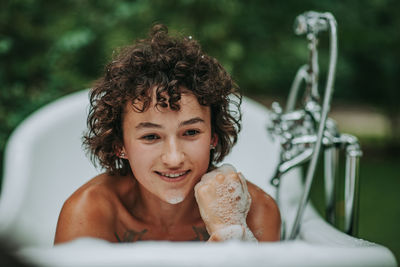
(130, 229)
(174, 233)
(137, 231)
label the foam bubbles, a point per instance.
(231, 232)
(175, 199)
(232, 204)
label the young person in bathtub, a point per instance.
(159, 120)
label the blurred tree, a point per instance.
(51, 48)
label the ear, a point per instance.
(121, 153)
(214, 140)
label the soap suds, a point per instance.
(232, 204)
(231, 232)
(174, 196)
(237, 232)
(175, 199)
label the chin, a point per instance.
(175, 199)
(174, 196)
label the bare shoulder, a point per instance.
(88, 212)
(264, 217)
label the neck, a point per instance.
(155, 211)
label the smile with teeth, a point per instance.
(172, 175)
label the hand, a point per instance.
(224, 202)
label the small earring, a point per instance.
(212, 147)
(122, 154)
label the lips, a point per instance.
(173, 176)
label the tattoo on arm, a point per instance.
(131, 236)
(201, 234)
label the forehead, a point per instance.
(189, 107)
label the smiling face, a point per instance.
(168, 150)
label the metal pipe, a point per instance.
(330, 167)
(301, 75)
(314, 69)
(351, 196)
(325, 109)
(301, 140)
(296, 161)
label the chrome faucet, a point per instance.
(304, 131)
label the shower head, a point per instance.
(311, 22)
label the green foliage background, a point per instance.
(51, 48)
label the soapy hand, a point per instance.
(224, 202)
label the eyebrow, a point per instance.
(191, 121)
(158, 126)
(147, 125)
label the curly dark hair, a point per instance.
(170, 64)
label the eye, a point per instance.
(150, 137)
(191, 132)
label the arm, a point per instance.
(264, 217)
(87, 213)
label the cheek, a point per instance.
(140, 156)
(200, 153)
(141, 161)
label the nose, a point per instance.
(172, 155)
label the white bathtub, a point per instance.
(44, 164)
